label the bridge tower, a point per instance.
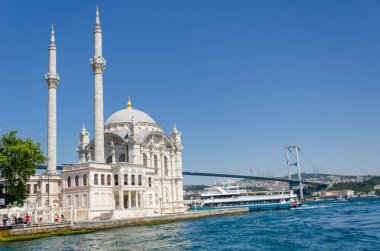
(288, 149)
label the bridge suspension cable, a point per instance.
(39, 135)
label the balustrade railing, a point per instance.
(43, 215)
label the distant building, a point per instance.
(336, 194)
(376, 187)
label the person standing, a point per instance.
(27, 218)
(5, 219)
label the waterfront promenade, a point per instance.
(37, 229)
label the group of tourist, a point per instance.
(7, 221)
(15, 220)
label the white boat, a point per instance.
(222, 197)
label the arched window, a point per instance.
(109, 160)
(76, 180)
(84, 180)
(166, 165)
(155, 164)
(68, 181)
(102, 179)
(139, 180)
(96, 179)
(125, 179)
(122, 157)
(132, 179)
(116, 180)
(145, 160)
(108, 179)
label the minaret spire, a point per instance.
(52, 80)
(97, 20)
(52, 39)
(98, 64)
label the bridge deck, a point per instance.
(224, 175)
(250, 177)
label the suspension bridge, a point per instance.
(264, 172)
(292, 154)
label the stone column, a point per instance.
(52, 80)
(51, 214)
(141, 194)
(151, 160)
(98, 64)
(35, 216)
(176, 192)
(172, 165)
(173, 193)
(121, 199)
(159, 164)
(178, 163)
(148, 160)
(129, 200)
(137, 199)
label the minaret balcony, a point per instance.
(52, 79)
(98, 64)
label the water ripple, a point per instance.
(316, 226)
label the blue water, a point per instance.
(351, 225)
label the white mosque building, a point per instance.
(131, 168)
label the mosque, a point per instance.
(130, 168)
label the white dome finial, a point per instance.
(129, 104)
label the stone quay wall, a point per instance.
(24, 230)
(151, 220)
(35, 229)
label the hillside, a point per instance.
(359, 187)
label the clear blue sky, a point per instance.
(241, 79)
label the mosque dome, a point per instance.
(126, 114)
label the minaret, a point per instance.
(98, 64)
(83, 141)
(52, 80)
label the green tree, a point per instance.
(18, 161)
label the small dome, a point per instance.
(126, 114)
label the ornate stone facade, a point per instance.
(142, 174)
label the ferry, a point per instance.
(224, 197)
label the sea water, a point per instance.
(352, 225)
